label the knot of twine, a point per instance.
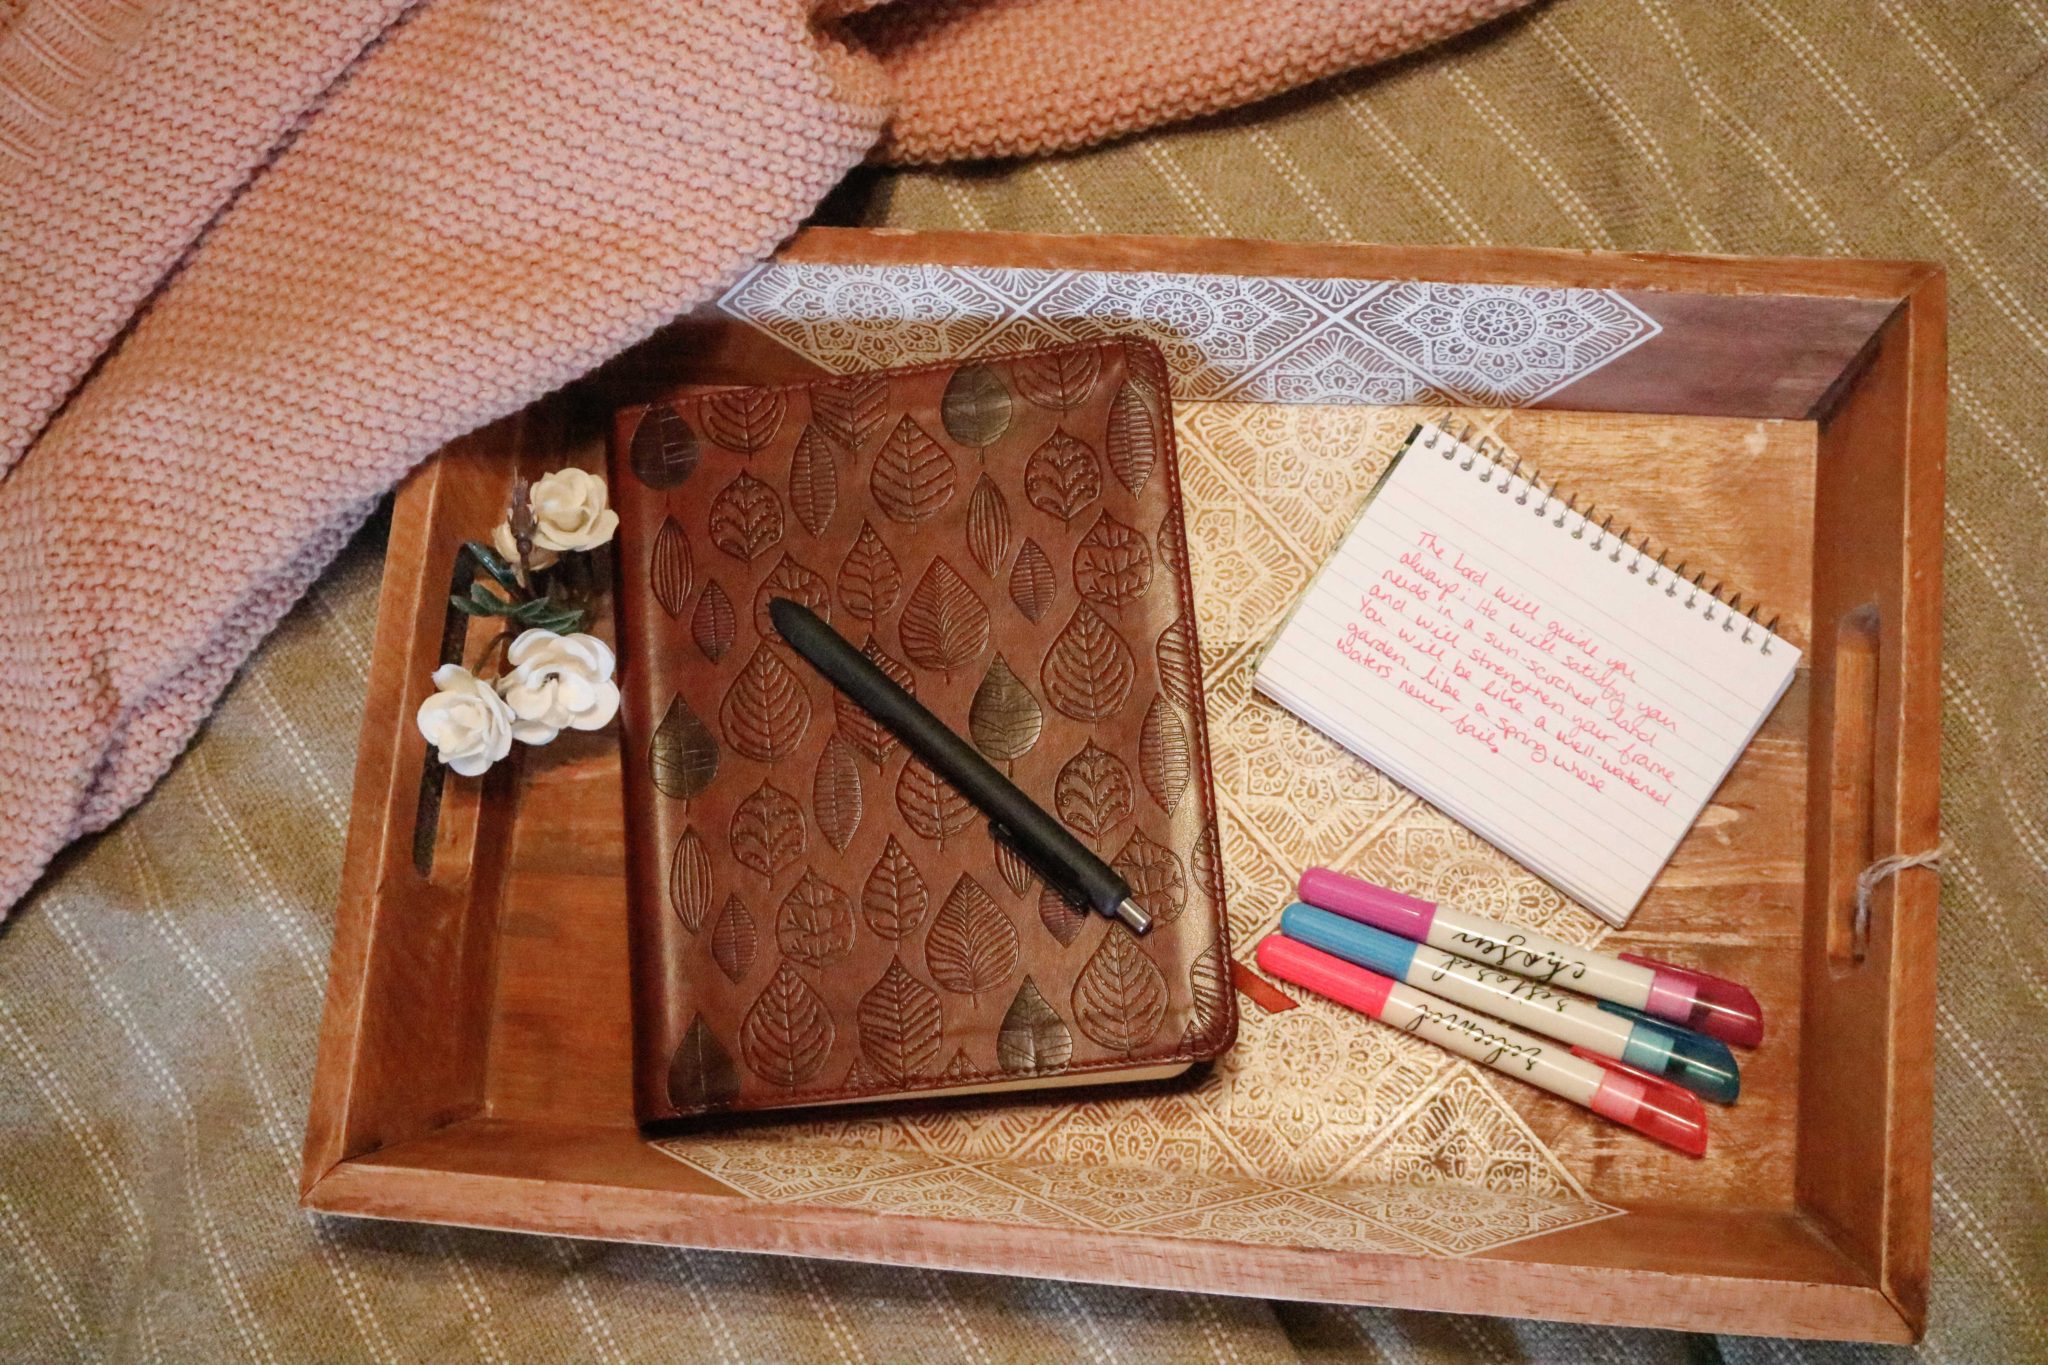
(1891, 865)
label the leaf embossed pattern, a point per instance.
(669, 570)
(1112, 566)
(875, 740)
(712, 625)
(1209, 987)
(766, 710)
(988, 526)
(1163, 758)
(1059, 379)
(1063, 919)
(734, 939)
(1031, 582)
(816, 923)
(1120, 996)
(930, 804)
(813, 481)
(976, 407)
(1146, 366)
(663, 451)
(835, 792)
(799, 584)
(1089, 671)
(1173, 544)
(1005, 719)
(1132, 439)
(788, 1033)
(1014, 867)
(743, 420)
(683, 758)
(945, 624)
(1093, 791)
(701, 1074)
(869, 578)
(971, 947)
(746, 518)
(850, 410)
(1033, 1039)
(1062, 476)
(1157, 880)
(914, 475)
(689, 880)
(767, 832)
(894, 897)
(899, 1025)
(840, 916)
(1176, 656)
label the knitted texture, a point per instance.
(262, 256)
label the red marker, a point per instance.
(1710, 1004)
(1646, 1103)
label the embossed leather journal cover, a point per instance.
(816, 916)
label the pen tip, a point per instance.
(1133, 916)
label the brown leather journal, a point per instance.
(816, 916)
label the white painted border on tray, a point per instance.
(1254, 338)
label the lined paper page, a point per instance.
(1519, 676)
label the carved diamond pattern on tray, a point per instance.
(1502, 344)
(954, 1191)
(1300, 793)
(1303, 1092)
(1345, 341)
(1460, 1169)
(1442, 860)
(1335, 365)
(871, 317)
(1319, 1129)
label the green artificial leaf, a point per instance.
(492, 563)
(487, 603)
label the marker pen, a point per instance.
(1613, 1090)
(1701, 1064)
(1684, 996)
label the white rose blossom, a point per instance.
(570, 513)
(557, 683)
(469, 724)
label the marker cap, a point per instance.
(1701, 1064)
(1348, 939)
(1711, 1004)
(1652, 1106)
(1368, 904)
(1331, 977)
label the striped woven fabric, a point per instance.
(159, 994)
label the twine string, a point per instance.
(1868, 880)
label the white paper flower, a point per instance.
(570, 512)
(467, 723)
(557, 683)
(508, 549)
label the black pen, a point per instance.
(1027, 826)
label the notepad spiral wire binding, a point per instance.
(1732, 616)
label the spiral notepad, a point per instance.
(1543, 680)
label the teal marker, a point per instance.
(1699, 1063)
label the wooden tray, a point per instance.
(1783, 419)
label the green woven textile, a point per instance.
(159, 994)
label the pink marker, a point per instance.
(1655, 1108)
(1699, 1001)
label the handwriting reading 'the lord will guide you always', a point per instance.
(1545, 688)
(1487, 661)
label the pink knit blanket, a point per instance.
(259, 257)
